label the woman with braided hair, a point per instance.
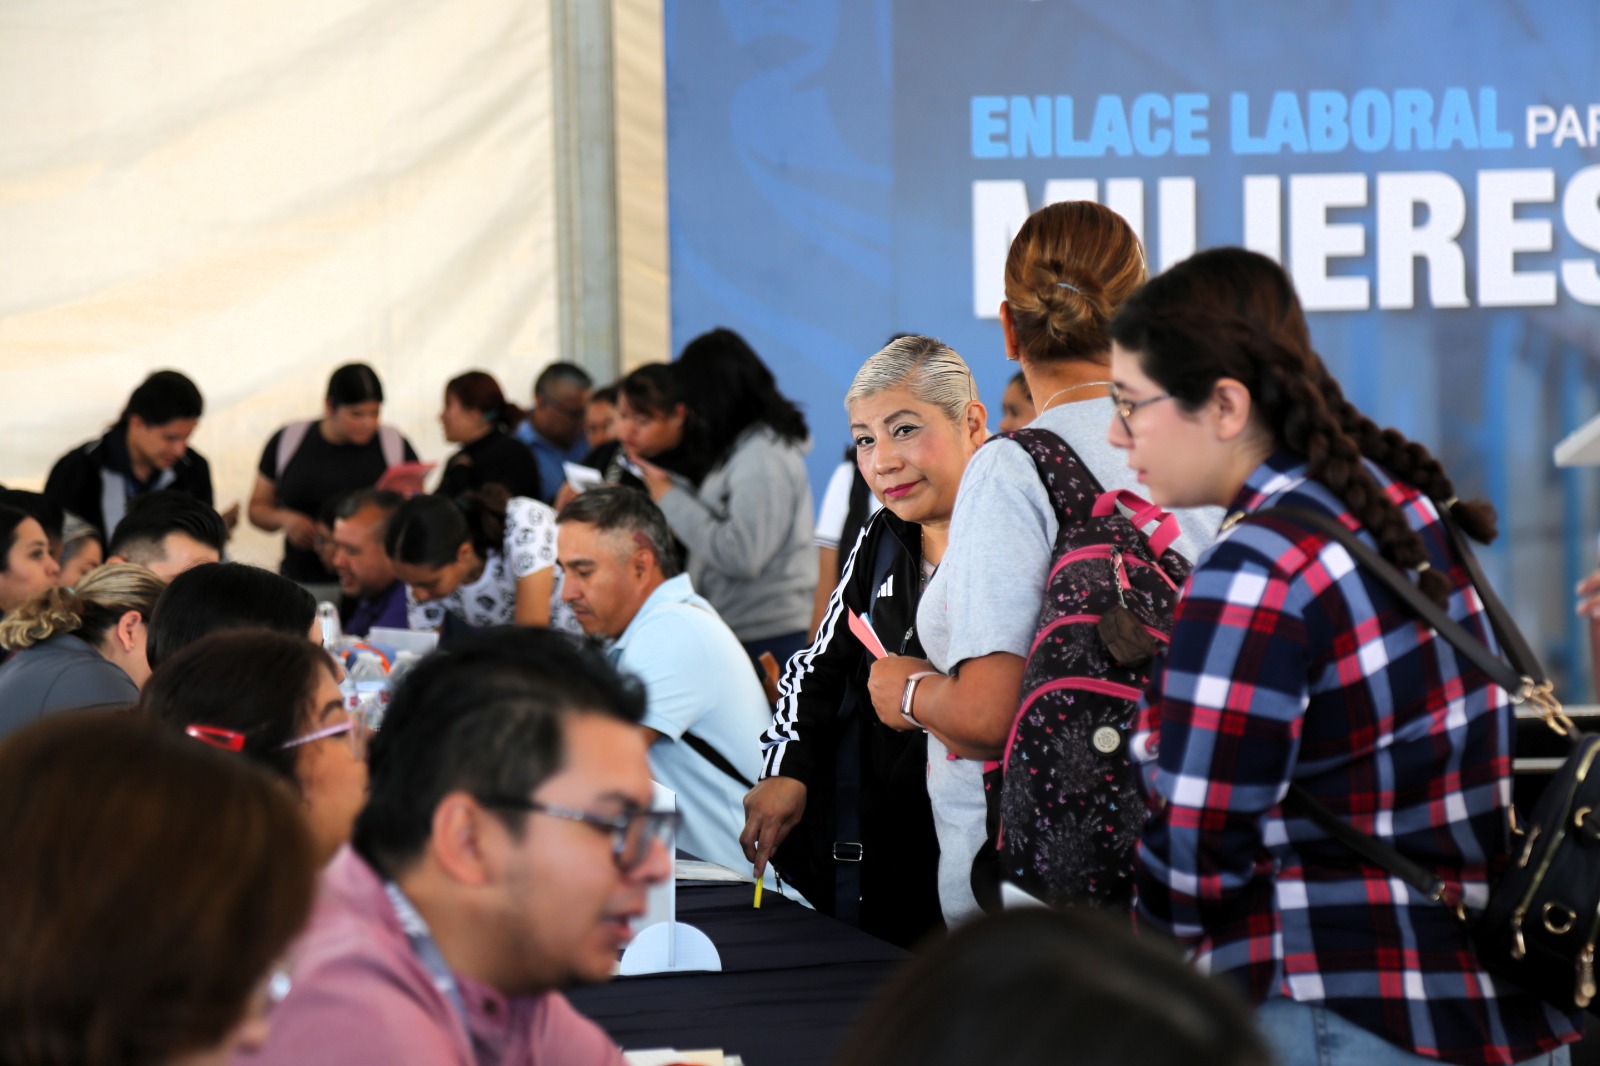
(1290, 665)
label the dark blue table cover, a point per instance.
(792, 983)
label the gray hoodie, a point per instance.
(748, 531)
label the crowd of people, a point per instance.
(1069, 658)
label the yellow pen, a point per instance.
(758, 893)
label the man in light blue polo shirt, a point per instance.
(706, 709)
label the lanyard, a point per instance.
(426, 951)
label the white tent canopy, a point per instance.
(255, 192)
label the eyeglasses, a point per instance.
(216, 736)
(1125, 408)
(631, 834)
(357, 729)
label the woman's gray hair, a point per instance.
(932, 370)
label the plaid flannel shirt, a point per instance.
(1289, 664)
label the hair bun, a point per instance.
(1074, 304)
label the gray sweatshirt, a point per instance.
(60, 673)
(748, 531)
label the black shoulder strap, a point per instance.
(1516, 646)
(1370, 848)
(1505, 630)
(716, 758)
(1038, 443)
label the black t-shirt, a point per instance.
(319, 472)
(495, 459)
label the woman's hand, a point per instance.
(657, 481)
(888, 684)
(771, 810)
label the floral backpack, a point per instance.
(1070, 808)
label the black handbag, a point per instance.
(1542, 921)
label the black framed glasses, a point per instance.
(1125, 408)
(631, 834)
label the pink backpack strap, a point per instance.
(1144, 512)
(394, 446)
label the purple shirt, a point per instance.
(360, 995)
(386, 609)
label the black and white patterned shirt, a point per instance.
(491, 600)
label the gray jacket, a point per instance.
(748, 531)
(62, 673)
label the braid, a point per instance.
(1412, 463)
(1334, 457)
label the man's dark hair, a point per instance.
(217, 596)
(483, 716)
(353, 503)
(568, 372)
(618, 508)
(163, 397)
(153, 515)
(40, 508)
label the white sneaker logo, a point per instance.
(887, 588)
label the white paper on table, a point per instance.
(695, 870)
(582, 477)
(419, 641)
(669, 1057)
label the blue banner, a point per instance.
(1430, 174)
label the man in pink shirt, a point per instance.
(505, 848)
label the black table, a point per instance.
(792, 983)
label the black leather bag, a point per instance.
(1540, 927)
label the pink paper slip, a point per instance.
(865, 635)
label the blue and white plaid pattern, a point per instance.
(1288, 663)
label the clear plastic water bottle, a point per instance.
(371, 684)
(332, 632)
(403, 662)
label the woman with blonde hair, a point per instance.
(1070, 266)
(75, 648)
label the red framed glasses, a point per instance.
(216, 736)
